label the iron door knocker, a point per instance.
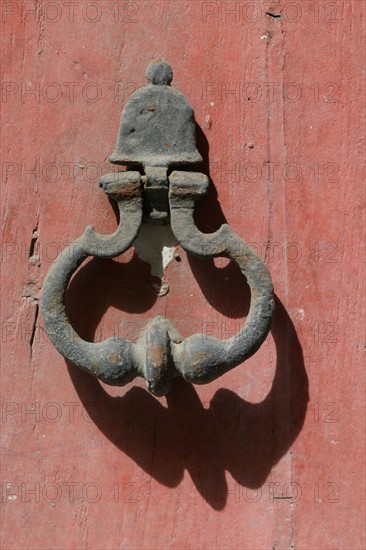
(157, 134)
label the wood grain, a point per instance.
(271, 455)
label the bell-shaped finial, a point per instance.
(157, 125)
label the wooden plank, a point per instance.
(279, 103)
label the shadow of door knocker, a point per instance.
(156, 135)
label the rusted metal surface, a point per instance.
(157, 126)
(157, 132)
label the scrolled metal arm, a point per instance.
(110, 360)
(201, 358)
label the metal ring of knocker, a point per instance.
(157, 132)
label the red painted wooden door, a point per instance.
(270, 455)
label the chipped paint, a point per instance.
(155, 245)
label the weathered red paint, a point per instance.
(207, 466)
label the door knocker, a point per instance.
(157, 143)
